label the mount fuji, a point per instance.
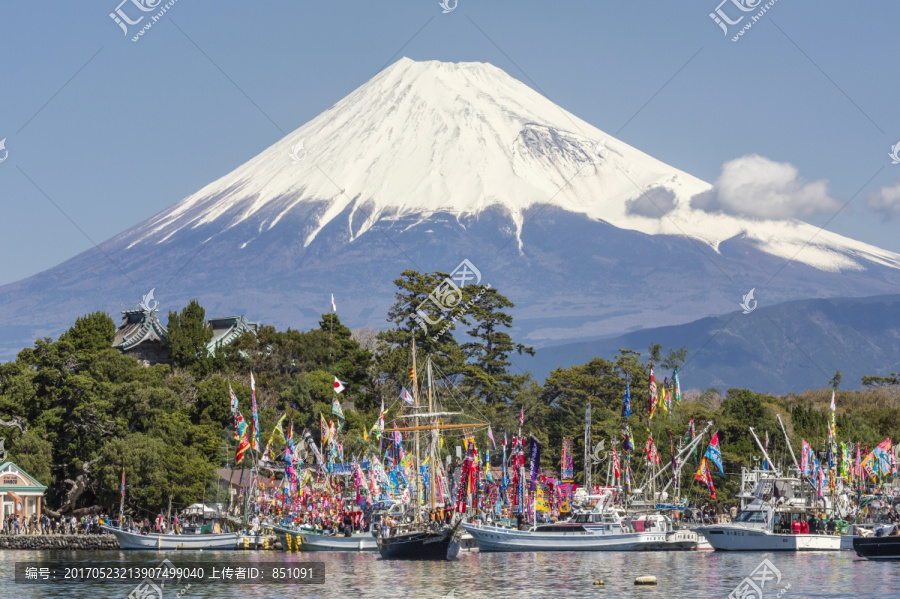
(425, 165)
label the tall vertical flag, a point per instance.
(253, 408)
(234, 408)
(491, 437)
(626, 407)
(766, 446)
(651, 453)
(567, 468)
(704, 476)
(278, 429)
(714, 454)
(653, 399)
(627, 440)
(616, 469)
(535, 459)
(667, 397)
(832, 430)
(243, 441)
(676, 383)
(521, 416)
(333, 305)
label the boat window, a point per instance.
(748, 516)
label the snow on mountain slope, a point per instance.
(431, 137)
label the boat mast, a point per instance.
(765, 453)
(788, 441)
(587, 447)
(416, 407)
(434, 435)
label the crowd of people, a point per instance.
(15, 524)
(815, 524)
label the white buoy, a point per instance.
(645, 580)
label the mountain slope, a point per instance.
(429, 163)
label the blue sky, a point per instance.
(103, 132)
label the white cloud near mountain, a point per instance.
(758, 187)
(653, 203)
(886, 202)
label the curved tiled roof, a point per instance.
(137, 327)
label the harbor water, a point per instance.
(489, 575)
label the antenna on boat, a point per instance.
(765, 453)
(791, 449)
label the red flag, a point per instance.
(521, 417)
(650, 451)
(615, 462)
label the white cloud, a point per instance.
(758, 187)
(886, 202)
(653, 203)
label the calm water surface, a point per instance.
(493, 575)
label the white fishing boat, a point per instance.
(757, 526)
(587, 531)
(161, 542)
(311, 540)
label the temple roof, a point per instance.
(137, 327)
(226, 330)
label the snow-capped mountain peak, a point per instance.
(431, 137)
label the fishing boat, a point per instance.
(596, 530)
(161, 542)
(883, 545)
(754, 528)
(420, 539)
(415, 542)
(304, 539)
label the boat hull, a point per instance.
(166, 542)
(492, 538)
(293, 540)
(877, 548)
(421, 545)
(735, 538)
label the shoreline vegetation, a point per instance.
(75, 411)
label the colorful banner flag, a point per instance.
(666, 397)
(651, 453)
(336, 408)
(255, 413)
(535, 457)
(704, 476)
(567, 469)
(243, 440)
(676, 383)
(491, 437)
(714, 454)
(627, 440)
(653, 398)
(325, 432)
(626, 407)
(521, 417)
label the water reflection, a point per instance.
(494, 575)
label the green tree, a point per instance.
(188, 335)
(487, 373)
(92, 332)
